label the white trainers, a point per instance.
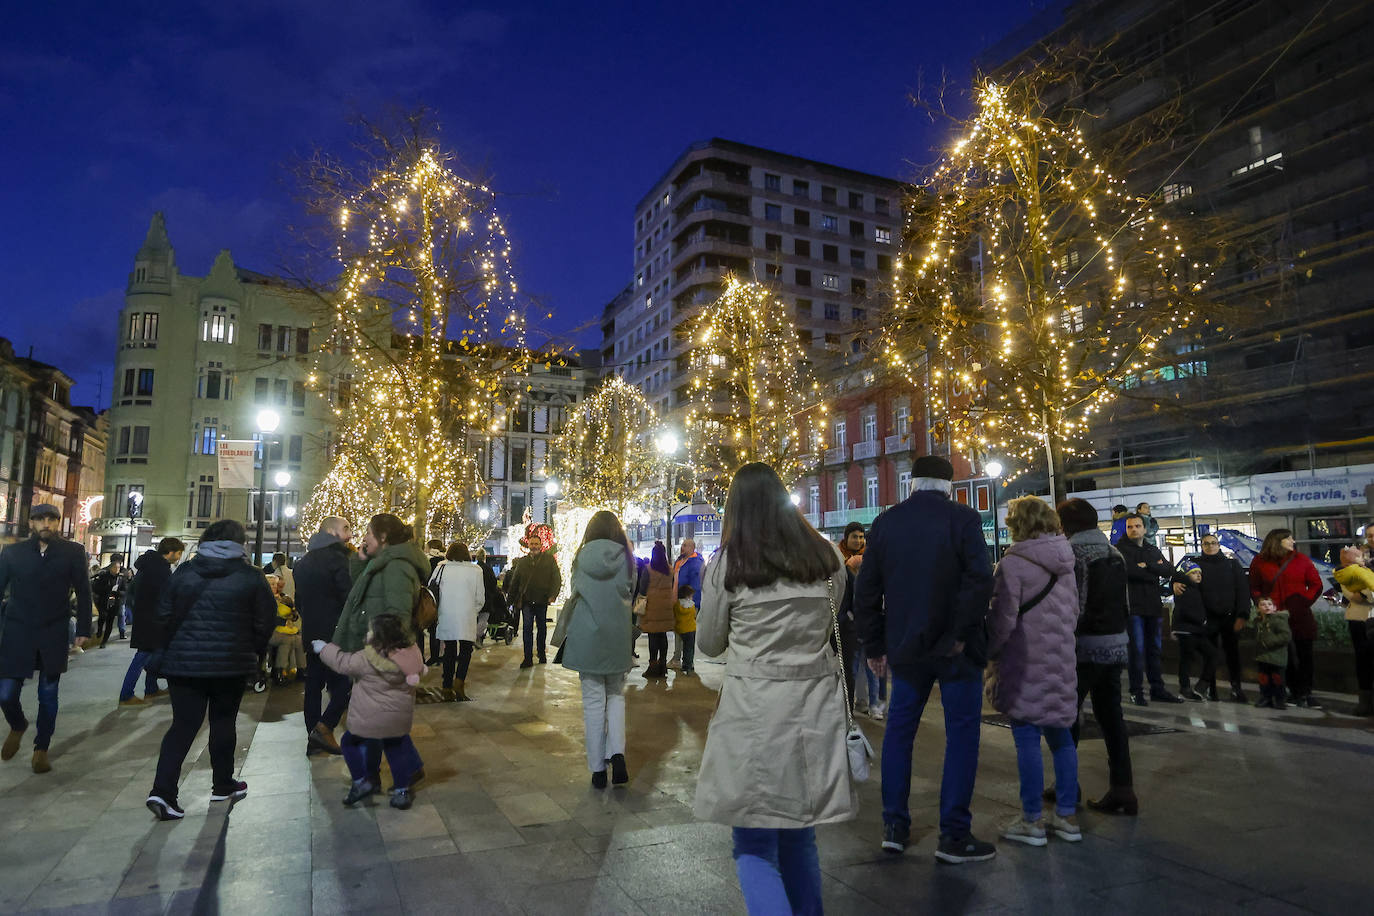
(1065, 827)
(876, 711)
(1020, 830)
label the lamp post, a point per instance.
(994, 471)
(268, 420)
(135, 510)
(667, 447)
(551, 489)
(289, 514)
(281, 479)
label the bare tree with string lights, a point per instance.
(751, 384)
(1034, 287)
(424, 326)
(605, 455)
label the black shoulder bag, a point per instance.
(1039, 596)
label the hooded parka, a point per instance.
(658, 604)
(382, 704)
(1035, 678)
(226, 614)
(596, 628)
(387, 585)
(33, 635)
(775, 753)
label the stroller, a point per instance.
(500, 621)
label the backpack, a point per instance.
(424, 612)
(1106, 607)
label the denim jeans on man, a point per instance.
(1032, 769)
(534, 616)
(319, 677)
(138, 666)
(10, 689)
(1147, 642)
(961, 695)
(779, 870)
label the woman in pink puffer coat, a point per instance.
(1035, 682)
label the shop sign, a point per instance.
(1298, 490)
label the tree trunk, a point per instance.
(1054, 464)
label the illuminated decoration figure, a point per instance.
(606, 451)
(425, 329)
(750, 386)
(1033, 286)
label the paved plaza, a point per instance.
(1241, 811)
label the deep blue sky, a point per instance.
(113, 110)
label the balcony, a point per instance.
(866, 449)
(894, 445)
(841, 517)
(836, 456)
(813, 519)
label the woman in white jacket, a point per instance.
(460, 595)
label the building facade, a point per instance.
(822, 236)
(198, 358)
(1275, 111)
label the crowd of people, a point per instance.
(799, 623)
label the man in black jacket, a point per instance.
(107, 588)
(536, 581)
(39, 574)
(323, 579)
(1226, 596)
(154, 569)
(1145, 566)
(920, 602)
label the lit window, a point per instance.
(882, 236)
(1176, 191)
(1275, 159)
(830, 281)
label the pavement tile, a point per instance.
(350, 890)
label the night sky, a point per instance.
(114, 110)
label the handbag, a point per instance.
(856, 746)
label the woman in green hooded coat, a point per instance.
(395, 569)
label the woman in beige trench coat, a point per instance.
(775, 764)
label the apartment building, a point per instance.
(821, 235)
(1277, 106)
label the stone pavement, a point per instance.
(1242, 811)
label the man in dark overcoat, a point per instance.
(38, 577)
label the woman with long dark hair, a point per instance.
(775, 764)
(658, 610)
(596, 632)
(1291, 579)
(215, 615)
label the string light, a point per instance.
(606, 455)
(1033, 286)
(750, 380)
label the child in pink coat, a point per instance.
(380, 710)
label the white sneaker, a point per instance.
(877, 711)
(861, 706)
(1020, 830)
(1066, 828)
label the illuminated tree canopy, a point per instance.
(606, 456)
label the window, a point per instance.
(827, 195)
(260, 389)
(901, 420)
(135, 325)
(841, 495)
(858, 287)
(129, 376)
(302, 340)
(803, 337)
(772, 182)
(830, 281)
(803, 308)
(903, 484)
(870, 427)
(856, 258)
(264, 337)
(856, 229)
(830, 253)
(871, 491)
(279, 392)
(145, 383)
(1176, 191)
(770, 212)
(885, 263)
(517, 506)
(298, 396)
(858, 314)
(840, 434)
(801, 217)
(205, 496)
(150, 327)
(140, 441)
(801, 188)
(124, 434)
(772, 242)
(882, 235)
(142, 327)
(519, 462)
(830, 223)
(813, 499)
(540, 422)
(803, 277)
(293, 449)
(801, 248)
(771, 272)
(208, 437)
(832, 311)
(1274, 159)
(880, 205)
(856, 200)
(215, 329)
(832, 341)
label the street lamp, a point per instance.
(288, 513)
(281, 478)
(994, 471)
(268, 420)
(796, 499)
(483, 514)
(667, 447)
(135, 511)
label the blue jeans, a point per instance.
(961, 693)
(1032, 768)
(877, 687)
(364, 758)
(136, 666)
(1147, 642)
(534, 617)
(779, 870)
(10, 688)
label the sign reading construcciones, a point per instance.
(1298, 489)
(236, 463)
